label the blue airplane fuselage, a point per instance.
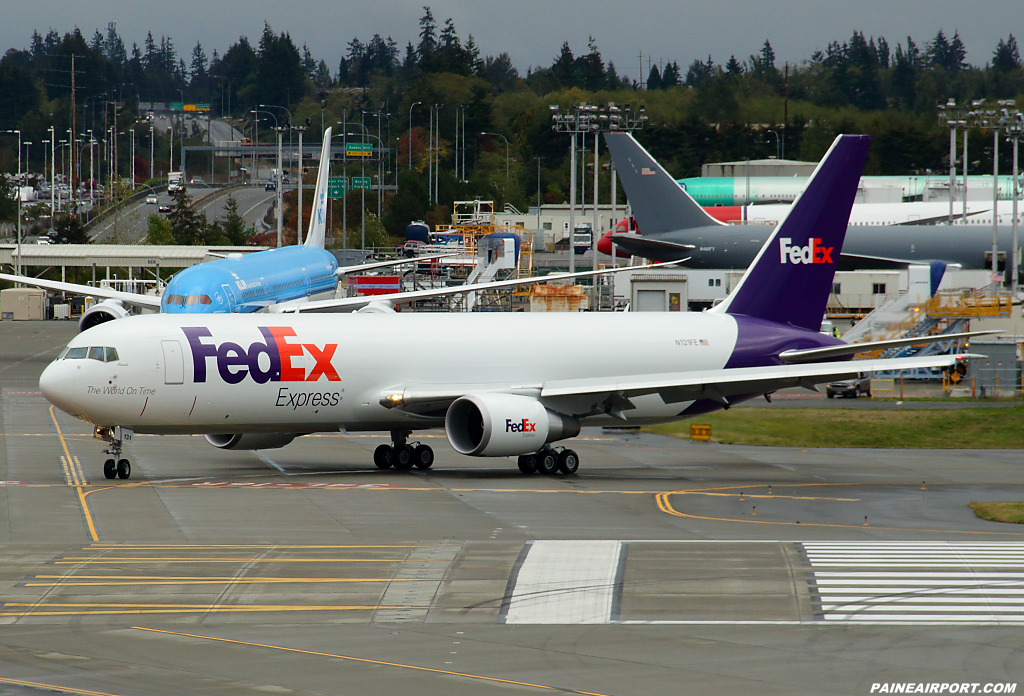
(251, 283)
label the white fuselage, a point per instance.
(153, 386)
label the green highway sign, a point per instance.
(359, 150)
(336, 186)
(177, 106)
(202, 107)
(360, 182)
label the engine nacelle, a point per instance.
(100, 313)
(502, 425)
(250, 441)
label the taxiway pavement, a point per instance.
(664, 566)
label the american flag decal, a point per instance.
(646, 171)
(703, 341)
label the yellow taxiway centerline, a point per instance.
(75, 477)
(364, 660)
(53, 687)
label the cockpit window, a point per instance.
(175, 300)
(100, 353)
(205, 299)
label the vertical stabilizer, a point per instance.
(318, 215)
(790, 279)
(657, 201)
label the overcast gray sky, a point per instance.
(532, 31)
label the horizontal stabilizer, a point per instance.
(817, 354)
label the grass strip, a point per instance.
(1004, 511)
(969, 428)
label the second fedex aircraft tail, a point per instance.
(657, 201)
(318, 215)
(790, 279)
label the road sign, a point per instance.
(336, 186)
(361, 182)
(359, 150)
(177, 106)
(202, 107)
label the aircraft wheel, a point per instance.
(547, 462)
(110, 469)
(528, 463)
(423, 457)
(124, 469)
(402, 458)
(568, 461)
(382, 456)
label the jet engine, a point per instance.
(250, 441)
(502, 425)
(102, 312)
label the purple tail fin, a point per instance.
(790, 280)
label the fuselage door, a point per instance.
(174, 365)
(229, 297)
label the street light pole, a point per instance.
(506, 154)
(415, 104)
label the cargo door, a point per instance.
(174, 366)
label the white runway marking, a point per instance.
(565, 582)
(919, 582)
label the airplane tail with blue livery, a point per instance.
(317, 232)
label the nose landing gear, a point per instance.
(115, 467)
(402, 455)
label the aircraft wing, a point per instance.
(132, 298)
(346, 270)
(348, 304)
(595, 396)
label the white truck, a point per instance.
(175, 181)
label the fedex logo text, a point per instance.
(524, 426)
(234, 362)
(812, 253)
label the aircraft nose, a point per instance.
(57, 383)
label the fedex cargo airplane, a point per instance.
(672, 225)
(251, 381)
(277, 280)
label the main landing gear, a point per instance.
(403, 455)
(115, 467)
(550, 461)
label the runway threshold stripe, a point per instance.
(565, 582)
(53, 687)
(383, 663)
(894, 583)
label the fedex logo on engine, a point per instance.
(812, 253)
(524, 426)
(234, 362)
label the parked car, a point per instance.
(849, 387)
(151, 199)
(271, 186)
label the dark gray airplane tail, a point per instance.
(657, 201)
